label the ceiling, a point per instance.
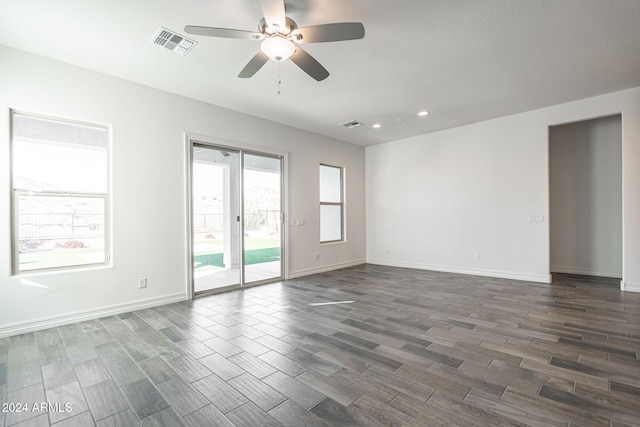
(463, 61)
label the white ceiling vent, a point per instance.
(173, 41)
(352, 124)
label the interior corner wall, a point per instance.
(461, 200)
(585, 162)
(148, 190)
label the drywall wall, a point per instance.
(585, 184)
(461, 199)
(148, 190)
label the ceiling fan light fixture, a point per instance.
(278, 48)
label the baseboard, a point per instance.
(542, 278)
(629, 287)
(324, 268)
(584, 272)
(79, 316)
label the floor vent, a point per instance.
(352, 124)
(173, 41)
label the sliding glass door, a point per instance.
(215, 195)
(236, 218)
(262, 217)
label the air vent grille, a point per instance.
(352, 124)
(173, 41)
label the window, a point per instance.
(59, 175)
(331, 204)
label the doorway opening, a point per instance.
(585, 198)
(236, 218)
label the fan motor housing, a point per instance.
(268, 30)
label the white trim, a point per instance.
(584, 271)
(82, 315)
(323, 269)
(232, 144)
(542, 278)
(629, 287)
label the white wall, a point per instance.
(436, 200)
(148, 190)
(585, 165)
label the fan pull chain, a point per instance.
(279, 79)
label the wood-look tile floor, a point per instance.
(404, 347)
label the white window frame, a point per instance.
(340, 204)
(16, 193)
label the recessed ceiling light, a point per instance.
(423, 113)
(376, 126)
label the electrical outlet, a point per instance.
(476, 257)
(142, 283)
(317, 257)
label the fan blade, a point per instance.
(254, 65)
(273, 11)
(329, 32)
(309, 64)
(222, 32)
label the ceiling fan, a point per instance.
(281, 37)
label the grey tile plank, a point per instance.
(249, 415)
(206, 417)
(111, 351)
(81, 420)
(253, 365)
(195, 348)
(223, 347)
(72, 335)
(144, 398)
(124, 371)
(265, 397)
(432, 355)
(68, 401)
(182, 396)
(289, 414)
(221, 366)
(375, 358)
(163, 418)
(282, 363)
(249, 345)
(189, 368)
(275, 344)
(311, 361)
(25, 398)
(224, 397)
(137, 349)
(337, 389)
(21, 375)
(333, 413)
(302, 394)
(157, 370)
(81, 352)
(91, 372)
(122, 419)
(105, 399)
(58, 373)
(355, 340)
(39, 421)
